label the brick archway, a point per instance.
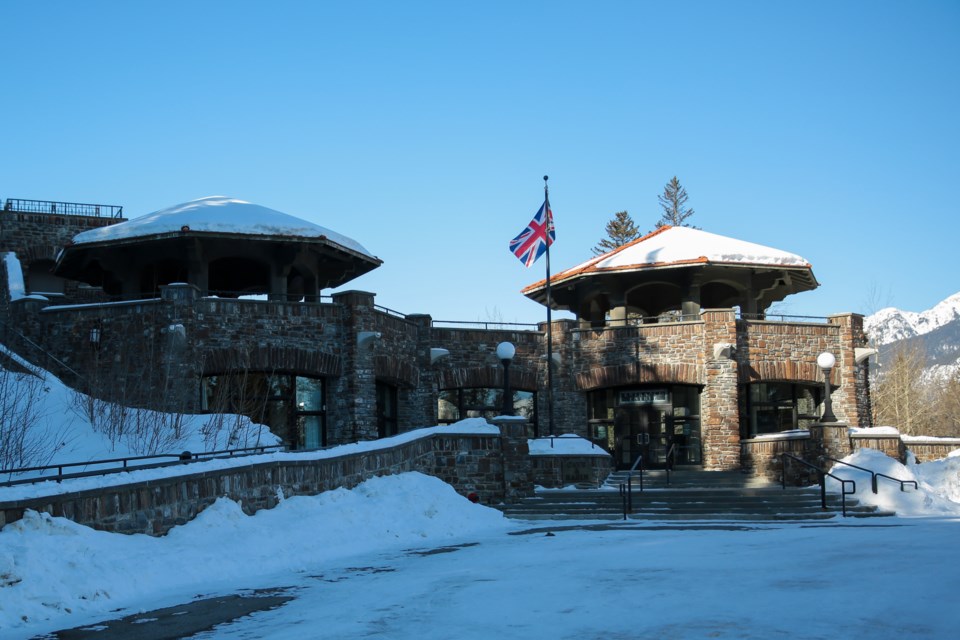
(272, 358)
(638, 373)
(783, 371)
(521, 379)
(397, 371)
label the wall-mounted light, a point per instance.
(95, 335)
(367, 338)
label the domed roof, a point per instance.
(724, 266)
(220, 215)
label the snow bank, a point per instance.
(568, 444)
(938, 481)
(54, 569)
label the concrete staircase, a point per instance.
(689, 496)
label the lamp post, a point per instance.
(826, 361)
(505, 352)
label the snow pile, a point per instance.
(218, 214)
(938, 481)
(568, 444)
(52, 568)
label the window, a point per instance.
(386, 410)
(483, 402)
(779, 406)
(293, 407)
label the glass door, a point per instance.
(642, 431)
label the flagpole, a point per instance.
(549, 221)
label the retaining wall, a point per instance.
(471, 463)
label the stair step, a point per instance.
(695, 496)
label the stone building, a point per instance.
(218, 305)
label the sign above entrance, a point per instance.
(645, 397)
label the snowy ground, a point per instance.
(406, 557)
(357, 565)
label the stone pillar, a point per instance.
(851, 398)
(719, 409)
(357, 410)
(421, 404)
(517, 467)
(831, 439)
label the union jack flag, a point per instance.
(532, 241)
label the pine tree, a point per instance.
(674, 200)
(620, 230)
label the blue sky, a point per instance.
(423, 129)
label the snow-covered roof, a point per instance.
(677, 246)
(218, 214)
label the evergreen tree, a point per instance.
(674, 201)
(620, 230)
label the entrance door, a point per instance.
(642, 431)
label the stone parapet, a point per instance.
(471, 463)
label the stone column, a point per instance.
(831, 439)
(719, 409)
(517, 467)
(357, 405)
(851, 398)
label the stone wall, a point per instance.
(471, 463)
(554, 472)
(763, 457)
(926, 449)
(891, 445)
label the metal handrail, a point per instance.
(876, 474)
(670, 459)
(486, 326)
(21, 205)
(783, 317)
(178, 458)
(626, 488)
(823, 482)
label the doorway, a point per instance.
(641, 431)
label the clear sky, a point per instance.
(423, 129)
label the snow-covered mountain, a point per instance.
(936, 331)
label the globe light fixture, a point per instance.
(826, 362)
(505, 352)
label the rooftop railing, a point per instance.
(20, 205)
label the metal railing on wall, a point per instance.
(21, 205)
(129, 463)
(486, 326)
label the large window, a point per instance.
(293, 407)
(779, 406)
(483, 402)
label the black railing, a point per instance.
(822, 475)
(670, 459)
(172, 459)
(780, 317)
(20, 205)
(875, 474)
(486, 326)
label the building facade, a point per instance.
(650, 368)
